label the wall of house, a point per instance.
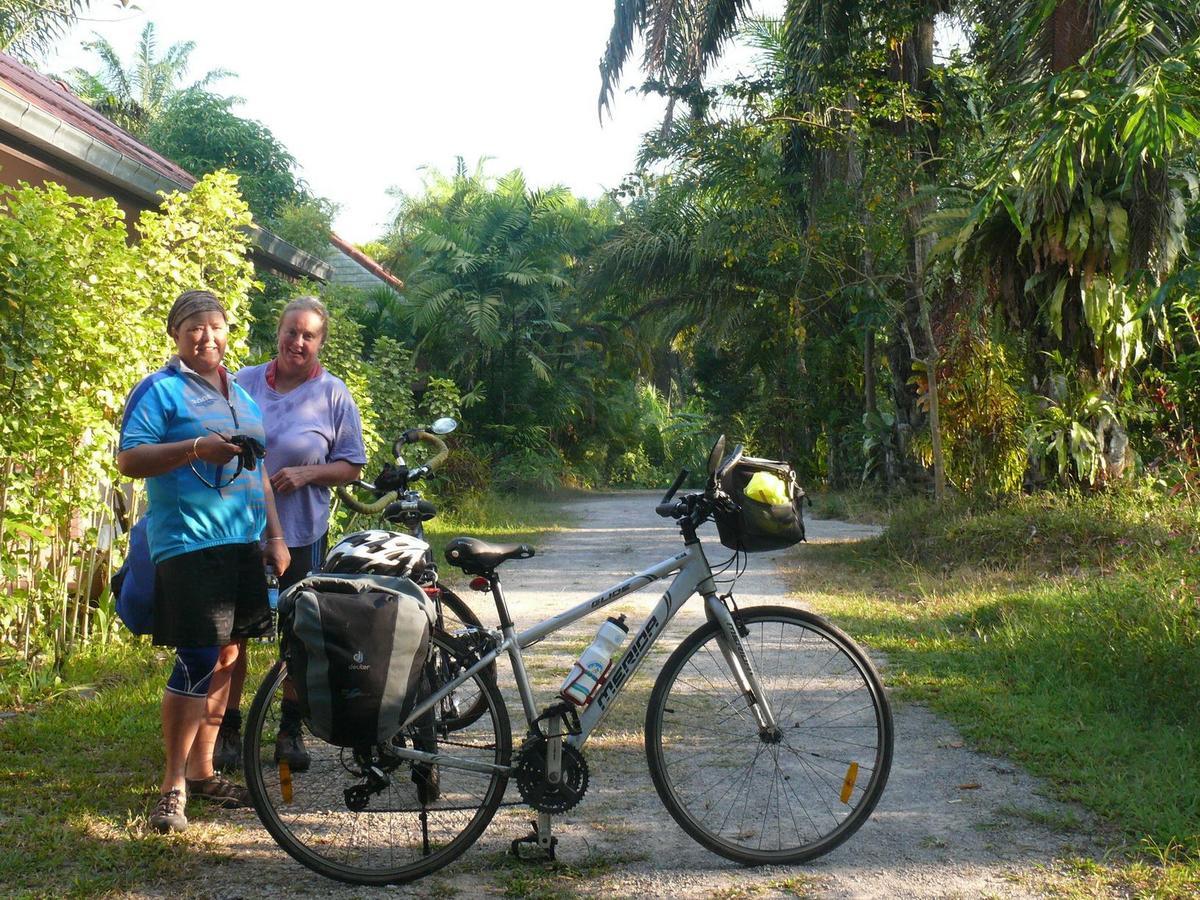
(16, 165)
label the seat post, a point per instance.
(493, 578)
(509, 631)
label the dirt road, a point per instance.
(952, 823)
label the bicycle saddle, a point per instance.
(476, 557)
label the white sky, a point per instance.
(366, 93)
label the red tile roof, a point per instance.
(366, 262)
(53, 98)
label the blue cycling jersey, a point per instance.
(176, 404)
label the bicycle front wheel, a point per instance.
(364, 816)
(770, 797)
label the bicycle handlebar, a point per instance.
(381, 503)
(671, 510)
(415, 434)
(675, 485)
(367, 509)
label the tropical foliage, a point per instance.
(200, 130)
(984, 249)
(28, 28)
(136, 95)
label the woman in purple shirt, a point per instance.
(314, 443)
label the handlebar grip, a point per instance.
(675, 485)
(439, 445)
(367, 509)
(667, 510)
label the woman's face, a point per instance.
(201, 339)
(301, 334)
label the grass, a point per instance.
(865, 507)
(78, 774)
(551, 880)
(81, 755)
(1063, 632)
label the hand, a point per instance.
(290, 478)
(212, 448)
(277, 556)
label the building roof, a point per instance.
(49, 120)
(366, 262)
(53, 97)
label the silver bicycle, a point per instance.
(768, 732)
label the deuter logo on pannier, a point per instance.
(356, 646)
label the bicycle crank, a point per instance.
(537, 790)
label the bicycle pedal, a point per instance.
(540, 853)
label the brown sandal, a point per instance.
(219, 790)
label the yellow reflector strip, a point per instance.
(285, 781)
(847, 782)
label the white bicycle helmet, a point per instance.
(376, 552)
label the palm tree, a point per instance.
(28, 28)
(136, 95)
(489, 278)
(681, 40)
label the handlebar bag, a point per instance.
(356, 647)
(756, 526)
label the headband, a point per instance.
(190, 303)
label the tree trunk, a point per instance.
(911, 66)
(870, 404)
(1071, 33)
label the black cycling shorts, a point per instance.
(211, 597)
(305, 559)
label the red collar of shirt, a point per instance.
(316, 371)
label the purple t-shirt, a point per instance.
(314, 423)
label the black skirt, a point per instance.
(213, 596)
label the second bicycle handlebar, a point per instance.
(409, 437)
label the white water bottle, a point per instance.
(587, 674)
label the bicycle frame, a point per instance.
(693, 576)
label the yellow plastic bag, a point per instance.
(767, 488)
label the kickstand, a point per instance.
(540, 837)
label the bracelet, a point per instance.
(193, 454)
(276, 539)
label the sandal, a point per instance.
(219, 790)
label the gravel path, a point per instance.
(952, 823)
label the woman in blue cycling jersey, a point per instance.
(207, 515)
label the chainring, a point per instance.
(530, 775)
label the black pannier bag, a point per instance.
(757, 526)
(356, 647)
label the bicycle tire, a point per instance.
(463, 708)
(384, 842)
(460, 613)
(710, 765)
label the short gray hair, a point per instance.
(308, 304)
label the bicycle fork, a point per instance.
(729, 639)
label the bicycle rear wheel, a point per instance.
(344, 821)
(777, 798)
(465, 705)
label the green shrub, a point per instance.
(85, 314)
